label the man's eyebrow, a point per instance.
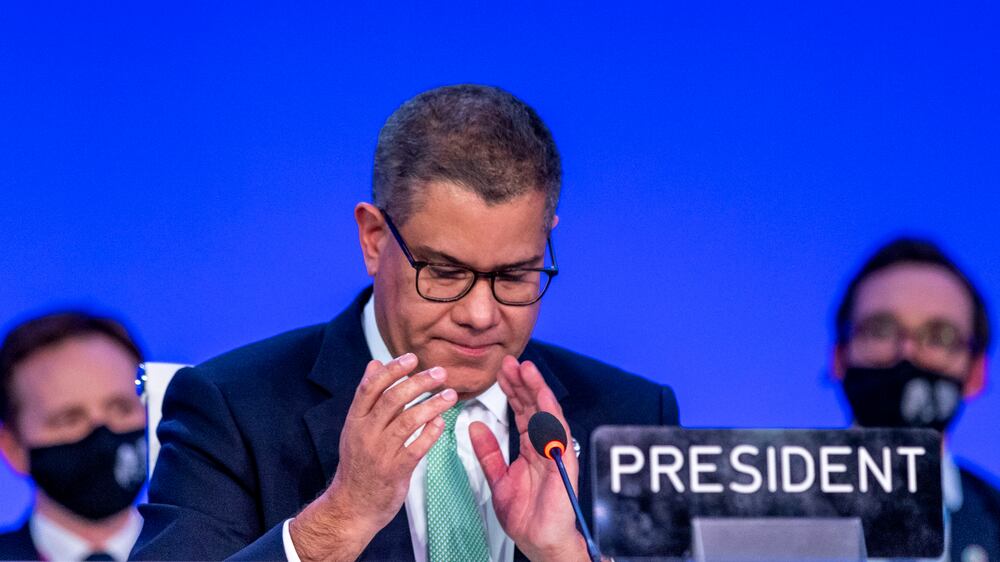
(63, 411)
(436, 256)
(879, 314)
(936, 319)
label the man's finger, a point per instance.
(518, 390)
(541, 394)
(487, 450)
(416, 450)
(543, 400)
(391, 402)
(377, 379)
(508, 368)
(521, 412)
(401, 428)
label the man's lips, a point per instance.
(470, 349)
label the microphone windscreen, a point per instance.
(543, 429)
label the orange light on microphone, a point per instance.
(554, 445)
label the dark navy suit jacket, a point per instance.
(975, 528)
(18, 545)
(251, 437)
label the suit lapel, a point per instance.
(339, 367)
(25, 547)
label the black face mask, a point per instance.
(95, 477)
(902, 396)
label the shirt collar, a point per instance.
(493, 398)
(951, 482)
(55, 542)
(376, 345)
(495, 401)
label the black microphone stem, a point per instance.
(595, 555)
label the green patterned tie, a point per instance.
(454, 528)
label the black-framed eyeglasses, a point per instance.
(880, 339)
(449, 282)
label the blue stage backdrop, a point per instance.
(727, 168)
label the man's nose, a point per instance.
(98, 417)
(909, 349)
(478, 310)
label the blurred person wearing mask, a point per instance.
(912, 334)
(70, 417)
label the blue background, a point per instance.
(727, 167)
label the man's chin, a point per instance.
(470, 370)
(470, 381)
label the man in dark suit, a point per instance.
(70, 417)
(398, 430)
(912, 334)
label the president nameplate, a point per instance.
(649, 482)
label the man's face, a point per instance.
(468, 337)
(916, 297)
(64, 391)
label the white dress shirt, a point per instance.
(55, 542)
(490, 407)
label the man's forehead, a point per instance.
(83, 366)
(457, 223)
(915, 293)
(434, 197)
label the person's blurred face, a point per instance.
(468, 337)
(914, 297)
(65, 391)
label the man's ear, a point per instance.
(838, 362)
(555, 222)
(372, 232)
(976, 381)
(12, 449)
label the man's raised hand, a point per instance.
(375, 466)
(528, 496)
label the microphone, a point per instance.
(549, 438)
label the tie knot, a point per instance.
(450, 416)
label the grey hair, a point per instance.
(481, 138)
